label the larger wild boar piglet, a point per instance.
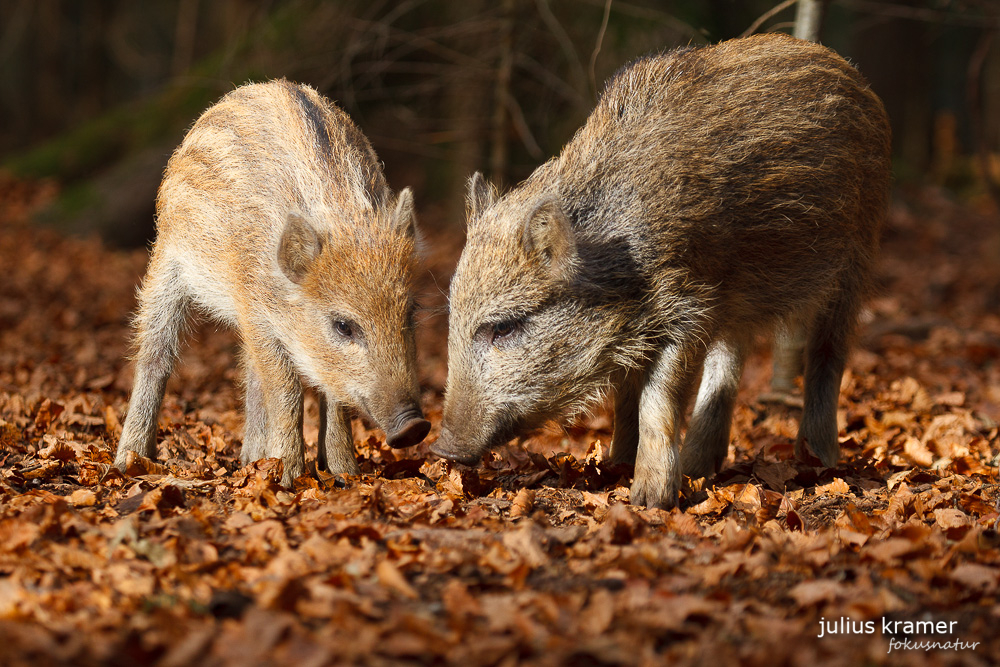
(274, 218)
(713, 194)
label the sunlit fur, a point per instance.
(263, 157)
(713, 194)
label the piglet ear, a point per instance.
(404, 217)
(548, 236)
(481, 196)
(299, 246)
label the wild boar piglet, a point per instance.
(713, 194)
(274, 218)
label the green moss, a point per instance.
(72, 154)
(92, 145)
(73, 201)
(96, 143)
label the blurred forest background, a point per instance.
(95, 95)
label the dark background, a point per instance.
(96, 95)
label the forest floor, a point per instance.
(535, 557)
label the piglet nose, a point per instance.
(448, 447)
(409, 428)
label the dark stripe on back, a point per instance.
(316, 116)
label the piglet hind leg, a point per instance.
(826, 356)
(788, 359)
(657, 479)
(335, 451)
(625, 441)
(163, 305)
(707, 441)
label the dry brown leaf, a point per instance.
(112, 424)
(794, 520)
(526, 543)
(390, 577)
(982, 578)
(47, 412)
(137, 465)
(671, 613)
(685, 524)
(949, 518)
(852, 537)
(56, 449)
(523, 501)
(620, 524)
(837, 487)
(892, 549)
(43, 470)
(917, 451)
(596, 617)
(950, 398)
(718, 501)
(9, 435)
(774, 474)
(855, 519)
(16, 534)
(816, 591)
(459, 602)
(83, 498)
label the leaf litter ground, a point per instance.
(535, 557)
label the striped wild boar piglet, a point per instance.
(714, 193)
(274, 218)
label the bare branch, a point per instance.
(597, 48)
(766, 16)
(636, 11)
(557, 85)
(576, 67)
(521, 125)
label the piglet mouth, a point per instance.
(447, 446)
(408, 428)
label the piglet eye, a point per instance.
(344, 328)
(504, 329)
(500, 334)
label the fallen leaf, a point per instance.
(83, 498)
(523, 501)
(975, 576)
(390, 577)
(837, 487)
(816, 591)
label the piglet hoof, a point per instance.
(652, 491)
(409, 434)
(292, 468)
(697, 462)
